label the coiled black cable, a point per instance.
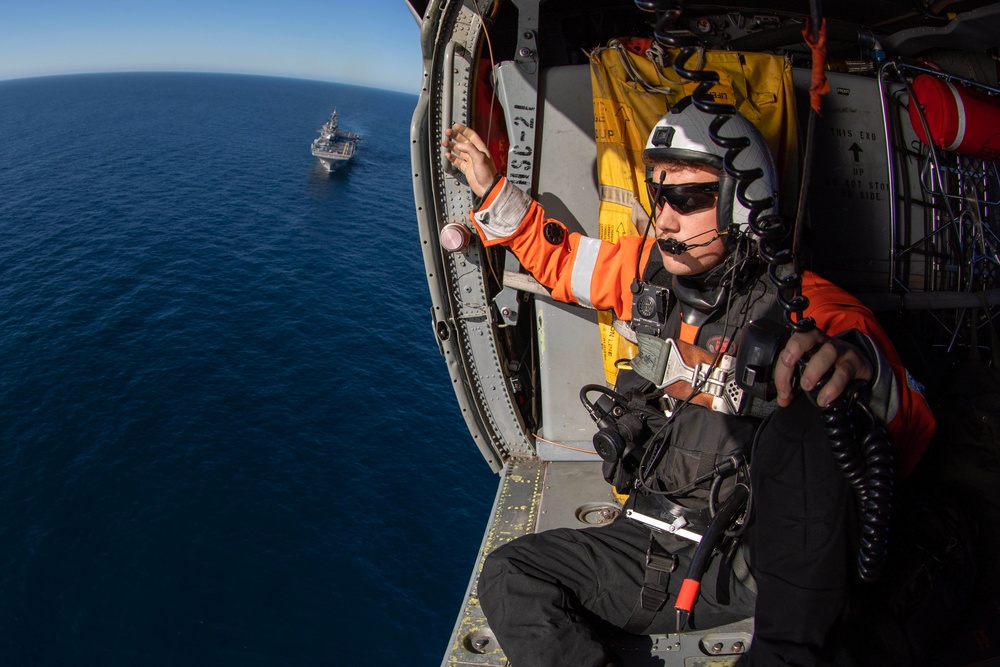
(868, 466)
(877, 506)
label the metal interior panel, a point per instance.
(569, 357)
(569, 346)
(575, 495)
(488, 406)
(515, 513)
(848, 237)
(567, 154)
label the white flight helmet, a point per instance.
(682, 133)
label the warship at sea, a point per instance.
(334, 147)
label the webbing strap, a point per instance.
(742, 570)
(654, 594)
(689, 332)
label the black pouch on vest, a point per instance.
(700, 439)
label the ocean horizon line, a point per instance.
(260, 75)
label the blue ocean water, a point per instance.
(226, 433)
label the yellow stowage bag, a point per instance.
(631, 92)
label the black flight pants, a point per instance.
(550, 596)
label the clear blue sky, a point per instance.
(365, 42)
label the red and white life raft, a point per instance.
(959, 118)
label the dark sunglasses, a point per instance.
(685, 198)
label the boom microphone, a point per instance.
(675, 247)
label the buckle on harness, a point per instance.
(662, 562)
(659, 565)
(678, 367)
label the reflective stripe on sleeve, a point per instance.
(583, 269)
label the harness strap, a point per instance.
(659, 564)
(742, 570)
(689, 332)
(733, 562)
(727, 566)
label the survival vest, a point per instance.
(699, 438)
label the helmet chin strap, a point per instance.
(701, 294)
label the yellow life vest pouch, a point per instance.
(634, 84)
